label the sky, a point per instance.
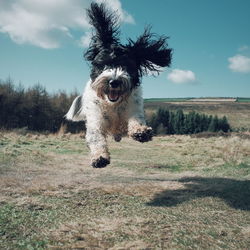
(44, 41)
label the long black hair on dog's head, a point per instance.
(147, 54)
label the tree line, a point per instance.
(34, 108)
(176, 122)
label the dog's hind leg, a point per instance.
(117, 137)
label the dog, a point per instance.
(112, 102)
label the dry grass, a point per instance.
(174, 192)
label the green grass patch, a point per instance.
(21, 227)
(230, 169)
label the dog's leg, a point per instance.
(117, 137)
(137, 128)
(97, 144)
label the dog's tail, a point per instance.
(74, 113)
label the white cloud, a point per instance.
(239, 63)
(48, 23)
(182, 76)
(85, 39)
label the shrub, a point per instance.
(167, 122)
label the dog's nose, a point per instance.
(114, 84)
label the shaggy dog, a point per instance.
(112, 102)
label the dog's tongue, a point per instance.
(113, 95)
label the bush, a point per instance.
(166, 122)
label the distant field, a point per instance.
(213, 100)
(166, 99)
(205, 99)
(238, 113)
(175, 192)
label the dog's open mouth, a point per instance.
(113, 95)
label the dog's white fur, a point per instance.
(104, 117)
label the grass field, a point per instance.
(176, 192)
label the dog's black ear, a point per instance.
(106, 29)
(150, 52)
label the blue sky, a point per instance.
(44, 41)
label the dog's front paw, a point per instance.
(143, 135)
(100, 162)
